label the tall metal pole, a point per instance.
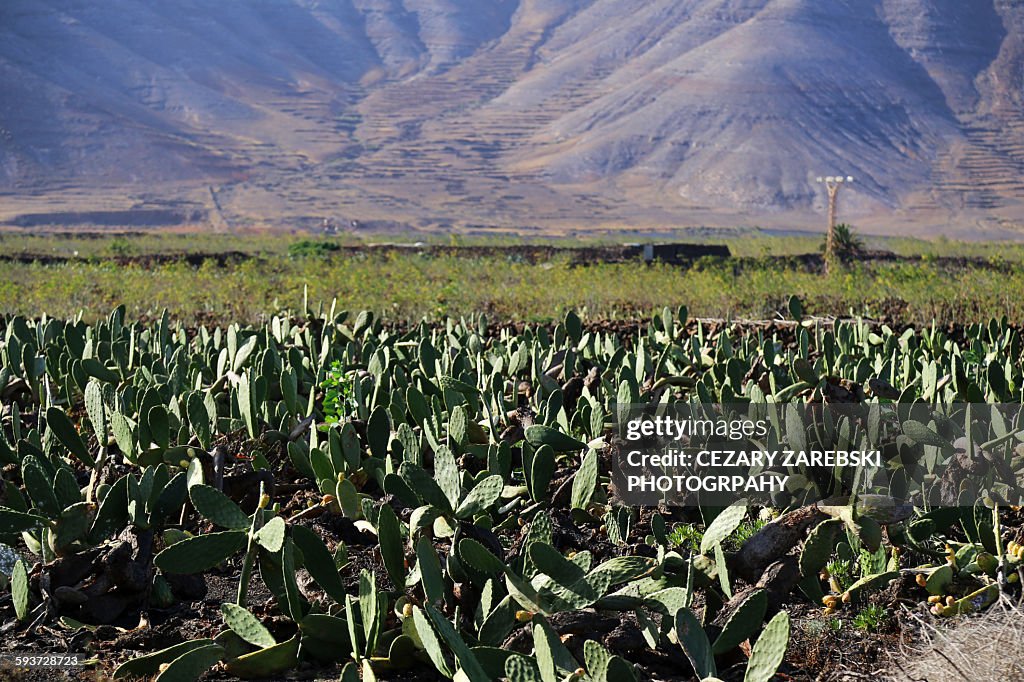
(832, 185)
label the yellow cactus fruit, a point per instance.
(921, 579)
(524, 616)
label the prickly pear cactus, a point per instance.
(246, 625)
(769, 650)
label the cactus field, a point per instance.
(332, 495)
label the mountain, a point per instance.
(551, 115)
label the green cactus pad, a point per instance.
(467, 662)
(920, 433)
(19, 589)
(939, 580)
(743, 623)
(200, 553)
(392, 549)
(585, 482)
(431, 642)
(619, 669)
(695, 643)
(68, 435)
(769, 650)
(479, 557)
(150, 663)
(539, 473)
(97, 410)
(15, 521)
(871, 582)
(723, 526)
(39, 487)
(596, 659)
(446, 473)
(481, 497)
(552, 563)
(424, 486)
(269, 662)
(378, 432)
(246, 625)
(271, 535)
(217, 507)
(429, 566)
(192, 664)
(538, 435)
(199, 419)
(522, 669)
(818, 547)
(626, 568)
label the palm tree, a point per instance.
(845, 241)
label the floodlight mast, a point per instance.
(832, 185)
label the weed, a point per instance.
(686, 536)
(871, 618)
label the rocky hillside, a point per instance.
(554, 114)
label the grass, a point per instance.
(411, 286)
(985, 648)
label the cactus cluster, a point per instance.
(455, 455)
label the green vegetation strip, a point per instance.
(406, 287)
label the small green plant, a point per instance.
(339, 394)
(685, 536)
(841, 571)
(871, 618)
(312, 248)
(744, 532)
(121, 247)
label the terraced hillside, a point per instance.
(551, 114)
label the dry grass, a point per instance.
(978, 648)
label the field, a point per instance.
(272, 459)
(910, 282)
